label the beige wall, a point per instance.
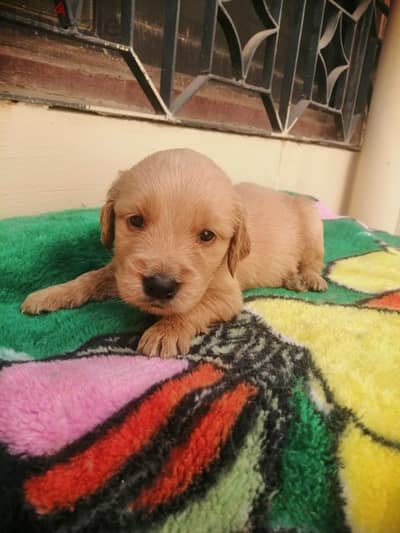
(52, 159)
(375, 197)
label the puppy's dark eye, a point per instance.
(206, 235)
(136, 221)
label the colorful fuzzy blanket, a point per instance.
(285, 419)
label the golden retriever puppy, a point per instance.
(187, 242)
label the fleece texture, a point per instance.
(284, 419)
(88, 391)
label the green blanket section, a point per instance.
(36, 252)
(305, 500)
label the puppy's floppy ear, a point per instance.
(107, 218)
(240, 245)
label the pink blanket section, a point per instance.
(325, 212)
(47, 405)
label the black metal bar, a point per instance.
(269, 60)
(145, 81)
(291, 63)
(315, 16)
(346, 43)
(127, 18)
(365, 85)
(97, 22)
(351, 45)
(63, 12)
(265, 15)
(232, 38)
(320, 81)
(332, 80)
(169, 49)
(338, 76)
(208, 37)
(356, 63)
(271, 47)
(273, 116)
(333, 77)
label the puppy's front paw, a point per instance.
(166, 338)
(294, 282)
(314, 281)
(44, 300)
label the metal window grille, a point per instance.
(318, 54)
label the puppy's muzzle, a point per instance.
(160, 287)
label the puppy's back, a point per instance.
(281, 228)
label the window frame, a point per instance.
(165, 104)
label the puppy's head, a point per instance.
(175, 221)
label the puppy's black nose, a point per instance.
(160, 286)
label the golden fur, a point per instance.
(263, 238)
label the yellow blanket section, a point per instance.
(370, 273)
(356, 351)
(370, 477)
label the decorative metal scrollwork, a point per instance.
(327, 55)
